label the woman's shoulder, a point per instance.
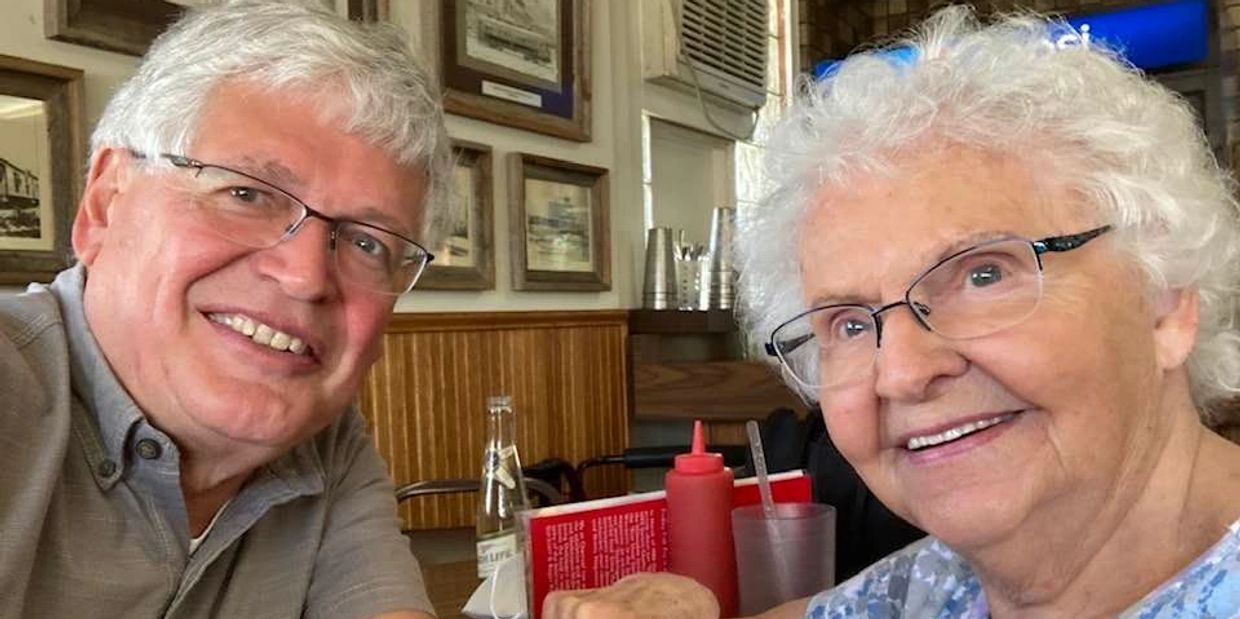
(1208, 587)
(925, 579)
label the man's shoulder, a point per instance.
(33, 347)
(24, 316)
(924, 579)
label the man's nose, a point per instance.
(303, 264)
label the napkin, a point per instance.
(502, 595)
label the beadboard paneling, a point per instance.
(425, 398)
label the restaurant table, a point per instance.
(449, 586)
(449, 567)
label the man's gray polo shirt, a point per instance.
(92, 520)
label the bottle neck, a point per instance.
(501, 427)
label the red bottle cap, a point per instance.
(698, 461)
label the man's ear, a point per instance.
(1176, 320)
(106, 181)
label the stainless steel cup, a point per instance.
(659, 288)
(722, 278)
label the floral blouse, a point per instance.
(927, 580)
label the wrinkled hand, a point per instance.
(640, 596)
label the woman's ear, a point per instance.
(106, 181)
(1176, 318)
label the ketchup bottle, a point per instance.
(699, 522)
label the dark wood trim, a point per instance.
(714, 390)
(492, 321)
(678, 322)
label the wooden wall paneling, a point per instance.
(727, 433)
(719, 390)
(425, 397)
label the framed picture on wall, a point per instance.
(40, 167)
(522, 64)
(116, 25)
(129, 26)
(559, 225)
(465, 258)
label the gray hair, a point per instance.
(1130, 146)
(391, 101)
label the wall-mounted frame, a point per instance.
(125, 26)
(559, 225)
(526, 68)
(129, 26)
(368, 10)
(41, 152)
(465, 259)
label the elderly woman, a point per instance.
(1011, 285)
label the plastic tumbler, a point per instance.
(784, 558)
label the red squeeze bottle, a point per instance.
(699, 522)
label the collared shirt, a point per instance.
(928, 580)
(93, 522)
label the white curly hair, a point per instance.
(1132, 147)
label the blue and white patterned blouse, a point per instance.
(927, 580)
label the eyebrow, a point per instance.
(928, 259)
(373, 216)
(268, 170)
(969, 241)
(277, 174)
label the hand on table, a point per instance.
(640, 596)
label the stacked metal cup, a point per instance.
(659, 288)
(719, 281)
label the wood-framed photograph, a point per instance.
(129, 26)
(125, 26)
(559, 225)
(465, 258)
(41, 153)
(524, 65)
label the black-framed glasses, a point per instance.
(971, 293)
(250, 211)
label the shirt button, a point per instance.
(106, 468)
(148, 449)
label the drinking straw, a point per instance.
(759, 467)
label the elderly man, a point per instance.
(177, 437)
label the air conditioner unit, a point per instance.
(717, 45)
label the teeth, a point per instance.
(918, 442)
(261, 333)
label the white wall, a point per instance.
(619, 97)
(21, 34)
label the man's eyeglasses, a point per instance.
(972, 293)
(249, 211)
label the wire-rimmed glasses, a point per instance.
(252, 212)
(972, 293)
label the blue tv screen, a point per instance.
(1151, 37)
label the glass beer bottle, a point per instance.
(502, 494)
